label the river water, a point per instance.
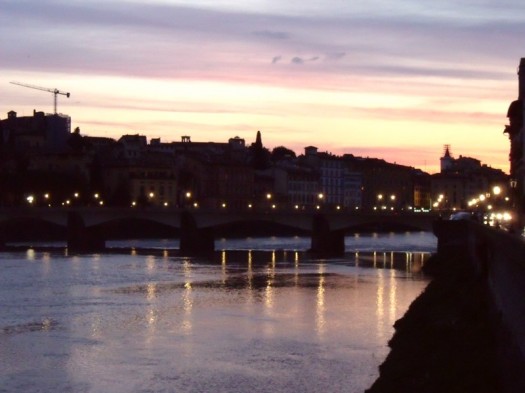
(261, 316)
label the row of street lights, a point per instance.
(385, 202)
(189, 201)
(487, 198)
(46, 200)
(75, 199)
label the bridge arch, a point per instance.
(28, 228)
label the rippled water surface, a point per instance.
(245, 321)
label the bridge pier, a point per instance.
(325, 242)
(80, 238)
(194, 240)
(3, 236)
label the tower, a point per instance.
(446, 161)
(515, 132)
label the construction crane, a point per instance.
(54, 91)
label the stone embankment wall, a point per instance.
(465, 332)
(498, 261)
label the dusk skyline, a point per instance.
(368, 79)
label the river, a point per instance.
(261, 316)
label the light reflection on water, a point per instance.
(246, 320)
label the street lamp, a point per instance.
(320, 198)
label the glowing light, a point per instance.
(496, 190)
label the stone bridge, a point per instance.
(87, 228)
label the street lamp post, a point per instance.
(320, 198)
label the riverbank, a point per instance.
(446, 341)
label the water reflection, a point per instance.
(151, 291)
(380, 292)
(392, 297)
(320, 306)
(187, 302)
(30, 254)
(269, 290)
(150, 262)
(168, 323)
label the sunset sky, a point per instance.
(393, 80)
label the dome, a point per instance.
(515, 109)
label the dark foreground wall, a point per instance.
(464, 333)
(497, 258)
